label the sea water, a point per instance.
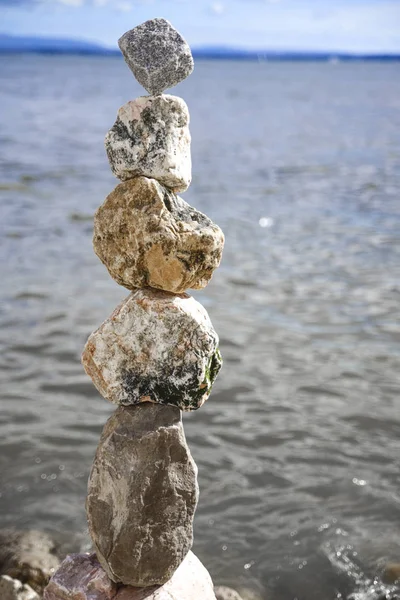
(298, 446)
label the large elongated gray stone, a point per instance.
(151, 138)
(142, 495)
(157, 55)
(148, 236)
(81, 577)
(155, 347)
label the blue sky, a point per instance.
(347, 25)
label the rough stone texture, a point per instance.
(12, 589)
(225, 593)
(81, 577)
(155, 347)
(28, 556)
(148, 236)
(157, 55)
(151, 138)
(142, 495)
(191, 581)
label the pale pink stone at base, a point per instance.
(80, 577)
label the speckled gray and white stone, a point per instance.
(13, 589)
(142, 495)
(157, 55)
(151, 137)
(155, 347)
(148, 237)
(81, 577)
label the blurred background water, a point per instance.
(298, 446)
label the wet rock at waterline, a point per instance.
(155, 347)
(142, 495)
(147, 236)
(81, 577)
(157, 55)
(391, 573)
(225, 593)
(151, 138)
(13, 589)
(28, 556)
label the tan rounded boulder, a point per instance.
(155, 347)
(142, 495)
(147, 236)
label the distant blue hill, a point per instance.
(41, 45)
(21, 44)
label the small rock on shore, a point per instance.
(28, 556)
(225, 593)
(13, 589)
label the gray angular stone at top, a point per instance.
(157, 55)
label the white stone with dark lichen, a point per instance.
(151, 137)
(142, 495)
(148, 237)
(81, 577)
(155, 347)
(157, 55)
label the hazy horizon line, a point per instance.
(82, 45)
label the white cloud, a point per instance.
(124, 6)
(71, 2)
(121, 5)
(266, 222)
(218, 8)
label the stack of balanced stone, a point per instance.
(157, 354)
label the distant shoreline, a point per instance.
(233, 56)
(11, 44)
